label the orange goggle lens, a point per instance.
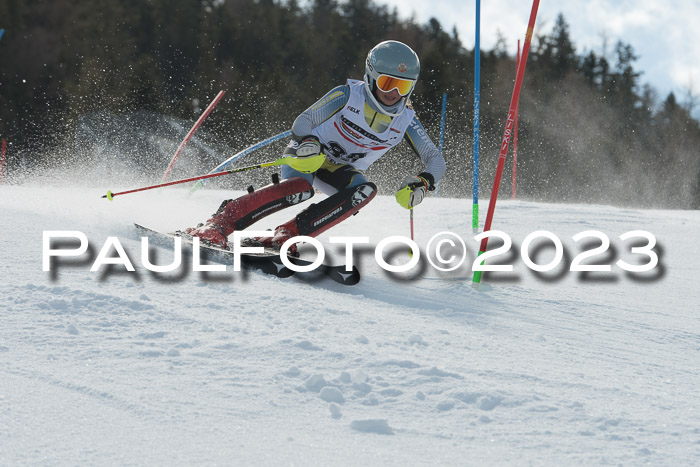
(387, 83)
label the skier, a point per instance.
(334, 140)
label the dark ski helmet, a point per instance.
(387, 60)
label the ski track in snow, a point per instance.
(410, 369)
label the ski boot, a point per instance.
(273, 244)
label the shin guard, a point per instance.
(320, 217)
(239, 213)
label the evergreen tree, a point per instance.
(589, 67)
(563, 51)
(587, 123)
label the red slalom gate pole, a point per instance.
(2, 160)
(508, 132)
(191, 132)
(515, 129)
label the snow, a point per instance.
(415, 368)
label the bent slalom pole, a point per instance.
(507, 133)
(305, 165)
(240, 154)
(191, 132)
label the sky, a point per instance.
(662, 33)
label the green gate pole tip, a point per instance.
(196, 186)
(477, 274)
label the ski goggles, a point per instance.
(388, 83)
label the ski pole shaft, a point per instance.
(280, 161)
(410, 250)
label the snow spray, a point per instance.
(228, 162)
(2, 152)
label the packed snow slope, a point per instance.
(415, 368)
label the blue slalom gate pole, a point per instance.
(442, 134)
(477, 85)
(228, 162)
(2, 31)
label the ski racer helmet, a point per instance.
(391, 65)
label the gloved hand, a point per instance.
(308, 158)
(309, 147)
(412, 191)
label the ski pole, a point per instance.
(410, 250)
(306, 164)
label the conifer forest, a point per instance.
(590, 129)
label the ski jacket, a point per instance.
(344, 122)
